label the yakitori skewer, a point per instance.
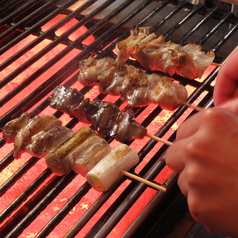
(106, 118)
(157, 53)
(64, 150)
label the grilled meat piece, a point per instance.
(155, 53)
(66, 99)
(105, 117)
(45, 141)
(97, 72)
(11, 129)
(127, 46)
(132, 85)
(34, 125)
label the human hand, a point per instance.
(231, 105)
(226, 86)
(205, 153)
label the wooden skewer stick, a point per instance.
(160, 139)
(216, 64)
(197, 108)
(147, 182)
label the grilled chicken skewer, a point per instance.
(64, 151)
(105, 117)
(130, 84)
(155, 53)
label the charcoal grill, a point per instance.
(42, 43)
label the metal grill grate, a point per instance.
(107, 22)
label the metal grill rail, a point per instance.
(17, 23)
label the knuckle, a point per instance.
(191, 149)
(212, 114)
(192, 177)
(195, 208)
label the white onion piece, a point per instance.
(108, 170)
(87, 154)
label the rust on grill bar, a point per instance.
(41, 44)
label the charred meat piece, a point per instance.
(155, 53)
(134, 86)
(45, 141)
(128, 128)
(105, 117)
(11, 129)
(66, 99)
(70, 101)
(34, 125)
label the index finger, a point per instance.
(227, 79)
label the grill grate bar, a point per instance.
(64, 211)
(26, 193)
(224, 19)
(15, 13)
(171, 14)
(44, 51)
(37, 196)
(37, 25)
(8, 4)
(194, 11)
(226, 37)
(8, 184)
(45, 35)
(159, 203)
(195, 28)
(162, 5)
(37, 204)
(7, 160)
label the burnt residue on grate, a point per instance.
(38, 52)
